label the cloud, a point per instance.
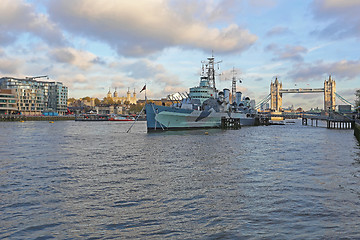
(17, 17)
(293, 53)
(78, 58)
(146, 70)
(139, 28)
(228, 74)
(258, 79)
(9, 66)
(348, 94)
(173, 89)
(121, 82)
(303, 100)
(6, 38)
(205, 10)
(135, 73)
(70, 80)
(276, 31)
(342, 18)
(142, 68)
(342, 70)
(79, 78)
(263, 3)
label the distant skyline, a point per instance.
(95, 45)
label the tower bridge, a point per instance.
(329, 90)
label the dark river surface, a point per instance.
(92, 180)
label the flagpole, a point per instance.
(137, 117)
(145, 94)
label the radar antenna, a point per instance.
(209, 70)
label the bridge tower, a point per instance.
(329, 94)
(276, 96)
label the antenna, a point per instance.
(233, 92)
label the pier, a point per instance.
(18, 118)
(333, 121)
(357, 129)
(92, 117)
(230, 123)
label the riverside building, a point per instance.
(36, 97)
(8, 101)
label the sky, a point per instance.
(95, 45)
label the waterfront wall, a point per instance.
(357, 131)
(16, 118)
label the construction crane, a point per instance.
(32, 78)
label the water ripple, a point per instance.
(65, 181)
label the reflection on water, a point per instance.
(87, 180)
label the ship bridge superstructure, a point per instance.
(203, 91)
(206, 88)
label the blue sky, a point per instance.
(95, 45)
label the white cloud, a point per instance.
(263, 3)
(138, 28)
(342, 70)
(9, 65)
(78, 58)
(17, 17)
(142, 68)
(278, 30)
(288, 52)
(228, 74)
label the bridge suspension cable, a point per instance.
(263, 101)
(344, 100)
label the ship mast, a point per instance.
(233, 90)
(210, 70)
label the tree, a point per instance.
(109, 101)
(97, 102)
(136, 108)
(71, 99)
(87, 99)
(357, 100)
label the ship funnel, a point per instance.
(238, 97)
(227, 95)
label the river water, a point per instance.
(92, 180)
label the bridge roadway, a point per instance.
(302, 90)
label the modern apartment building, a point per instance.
(35, 97)
(8, 104)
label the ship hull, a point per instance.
(161, 118)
